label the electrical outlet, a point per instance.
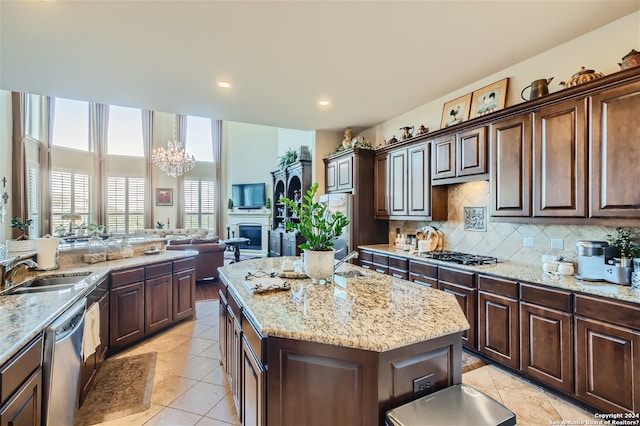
(424, 384)
(529, 242)
(557, 243)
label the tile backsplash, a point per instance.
(505, 241)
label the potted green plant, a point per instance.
(267, 204)
(22, 242)
(320, 228)
(622, 241)
(22, 226)
(289, 157)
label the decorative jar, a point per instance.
(96, 250)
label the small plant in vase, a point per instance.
(622, 241)
(320, 228)
(22, 226)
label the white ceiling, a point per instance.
(373, 60)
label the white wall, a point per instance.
(600, 50)
(5, 160)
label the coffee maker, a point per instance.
(591, 260)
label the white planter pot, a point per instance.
(318, 265)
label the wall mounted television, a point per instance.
(249, 195)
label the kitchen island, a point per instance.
(327, 354)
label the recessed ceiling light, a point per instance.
(224, 84)
(324, 102)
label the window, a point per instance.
(33, 197)
(125, 132)
(70, 193)
(199, 205)
(33, 116)
(71, 124)
(125, 204)
(199, 138)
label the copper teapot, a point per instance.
(630, 60)
(538, 88)
(582, 76)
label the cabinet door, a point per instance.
(102, 350)
(380, 181)
(511, 167)
(275, 243)
(498, 329)
(234, 350)
(24, 408)
(560, 160)
(547, 346)
(158, 302)
(443, 157)
(607, 366)
(222, 331)
(331, 176)
(614, 153)
(471, 152)
(398, 183)
(345, 173)
(467, 300)
(418, 182)
(253, 389)
(127, 314)
(184, 294)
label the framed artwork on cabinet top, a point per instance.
(489, 99)
(164, 196)
(456, 111)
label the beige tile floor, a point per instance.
(191, 389)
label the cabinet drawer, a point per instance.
(498, 286)
(129, 276)
(380, 259)
(366, 256)
(454, 276)
(399, 263)
(158, 269)
(234, 306)
(396, 273)
(183, 264)
(15, 371)
(550, 298)
(618, 313)
(424, 269)
(422, 280)
(255, 340)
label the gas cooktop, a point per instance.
(460, 258)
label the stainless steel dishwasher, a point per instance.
(61, 366)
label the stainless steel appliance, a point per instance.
(460, 258)
(591, 260)
(341, 203)
(61, 366)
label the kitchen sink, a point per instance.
(53, 283)
(343, 277)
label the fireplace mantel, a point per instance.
(261, 218)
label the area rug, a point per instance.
(470, 362)
(122, 387)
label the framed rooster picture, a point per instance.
(489, 99)
(456, 111)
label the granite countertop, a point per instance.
(527, 273)
(24, 316)
(375, 312)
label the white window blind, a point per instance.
(125, 204)
(199, 197)
(33, 189)
(70, 193)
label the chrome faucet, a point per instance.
(10, 269)
(354, 254)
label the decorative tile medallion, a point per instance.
(475, 219)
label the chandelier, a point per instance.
(173, 160)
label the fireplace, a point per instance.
(241, 222)
(253, 233)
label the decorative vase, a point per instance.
(318, 265)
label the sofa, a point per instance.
(174, 234)
(210, 254)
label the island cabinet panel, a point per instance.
(184, 289)
(24, 408)
(606, 354)
(462, 284)
(560, 160)
(423, 273)
(234, 349)
(222, 328)
(253, 375)
(381, 195)
(366, 259)
(511, 167)
(498, 320)
(614, 152)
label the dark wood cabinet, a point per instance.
(339, 172)
(381, 195)
(606, 354)
(614, 152)
(294, 180)
(499, 327)
(511, 167)
(126, 307)
(21, 387)
(560, 160)
(380, 263)
(184, 289)
(222, 327)
(253, 375)
(365, 259)
(423, 273)
(399, 267)
(458, 156)
(158, 293)
(462, 284)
